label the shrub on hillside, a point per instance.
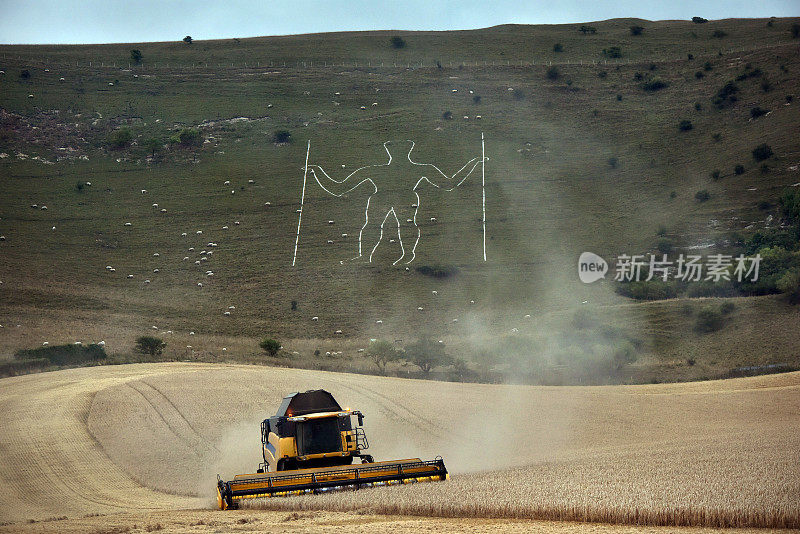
(587, 29)
(790, 204)
(612, 52)
(64, 354)
(136, 56)
(187, 39)
(789, 285)
(655, 84)
(552, 73)
(187, 137)
(757, 112)
(718, 34)
(270, 346)
(652, 290)
(447, 115)
(636, 30)
(281, 136)
(685, 125)
(397, 42)
(119, 139)
(25, 74)
(762, 152)
(702, 195)
(739, 169)
(558, 47)
(699, 20)
(726, 95)
(153, 346)
(795, 30)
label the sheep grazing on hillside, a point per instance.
(130, 276)
(191, 333)
(147, 281)
(199, 284)
(155, 270)
(330, 241)
(227, 314)
(163, 210)
(2, 238)
(378, 322)
(53, 228)
(420, 308)
(527, 316)
(433, 219)
(199, 232)
(30, 96)
(224, 227)
(45, 344)
(155, 205)
(374, 104)
(156, 254)
(338, 332)
(43, 208)
(363, 107)
(315, 318)
(251, 181)
(435, 292)
(185, 258)
(144, 191)
(268, 203)
(128, 224)
(197, 262)
(237, 223)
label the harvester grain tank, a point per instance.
(309, 447)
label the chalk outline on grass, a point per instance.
(392, 210)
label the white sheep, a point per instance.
(199, 232)
(155, 327)
(128, 224)
(155, 270)
(227, 182)
(338, 332)
(45, 344)
(330, 222)
(472, 302)
(378, 322)
(251, 181)
(227, 314)
(144, 191)
(191, 333)
(330, 241)
(363, 107)
(268, 203)
(315, 318)
(108, 267)
(344, 235)
(231, 307)
(184, 234)
(43, 208)
(478, 117)
(233, 192)
(130, 276)
(163, 210)
(199, 284)
(155, 205)
(433, 219)
(455, 320)
(102, 343)
(156, 254)
(527, 315)
(454, 90)
(374, 104)
(197, 262)
(420, 308)
(185, 258)
(224, 227)
(435, 292)
(237, 223)
(147, 281)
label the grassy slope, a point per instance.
(551, 193)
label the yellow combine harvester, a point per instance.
(309, 446)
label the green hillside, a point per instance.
(586, 156)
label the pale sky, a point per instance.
(123, 21)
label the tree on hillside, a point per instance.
(136, 56)
(699, 20)
(588, 29)
(381, 352)
(427, 354)
(153, 146)
(636, 30)
(397, 42)
(187, 39)
(150, 345)
(795, 29)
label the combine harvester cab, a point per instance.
(309, 447)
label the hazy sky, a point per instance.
(104, 21)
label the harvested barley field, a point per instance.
(141, 441)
